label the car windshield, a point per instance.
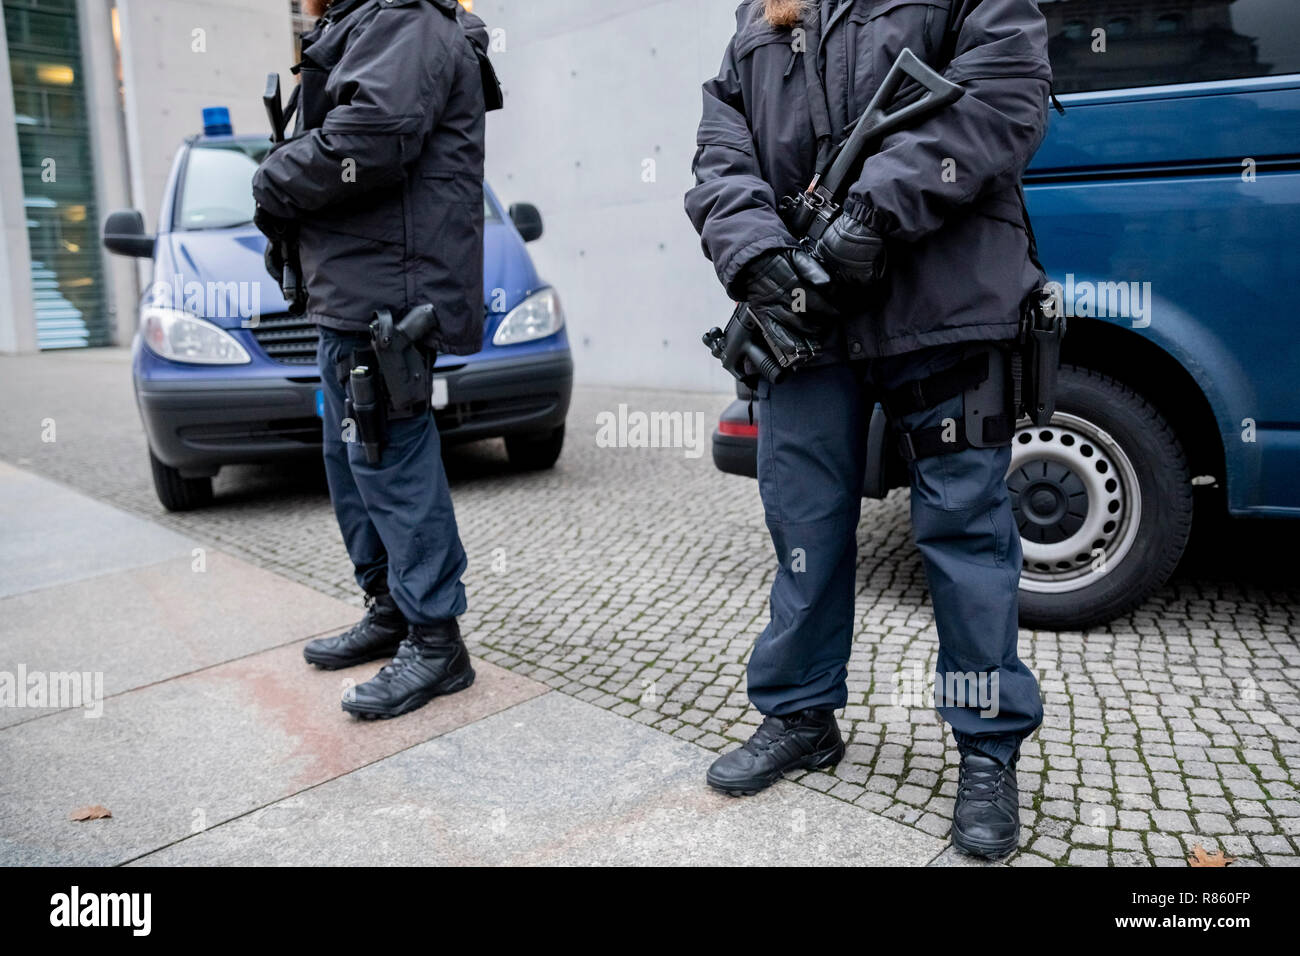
(217, 189)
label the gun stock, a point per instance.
(274, 107)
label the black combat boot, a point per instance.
(373, 638)
(807, 740)
(986, 818)
(431, 661)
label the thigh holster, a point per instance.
(981, 378)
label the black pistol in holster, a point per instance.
(291, 284)
(399, 385)
(404, 367)
(1000, 383)
(809, 214)
(1036, 358)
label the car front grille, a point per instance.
(493, 412)
(287, 431)
(287, 339)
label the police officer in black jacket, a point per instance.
(382, 186)
(926, 269)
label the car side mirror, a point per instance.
(527, 219)
(125, 235)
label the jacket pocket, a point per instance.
(313, 102)
(713, 133)
(446, 253)
(1003, 206)
(872, 11)
(376, 216)
(762, 33)
(451, 187)
(885, 28)
(774, 83)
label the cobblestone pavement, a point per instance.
(636, 579)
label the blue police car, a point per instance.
(1166, 202)
(225, 375)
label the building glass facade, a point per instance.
(58, 177)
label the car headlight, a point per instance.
(536, 317)
(182, 337)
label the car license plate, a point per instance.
(320, 403)
(440, 395)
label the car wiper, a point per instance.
(224, 225)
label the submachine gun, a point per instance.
(741, 347)
(286, 238)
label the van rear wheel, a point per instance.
(1103, 500)
(175, 491)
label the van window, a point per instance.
(1114, 44)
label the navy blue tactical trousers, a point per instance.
(396, 516)
(811, 449)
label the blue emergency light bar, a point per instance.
(216, 121)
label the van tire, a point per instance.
(535, 452)
(175, 491)
(1146, 447)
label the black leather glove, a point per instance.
(790, 288)
(273, 227)
(274, 261)
(852, 252)
(281, 252)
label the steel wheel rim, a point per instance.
(1077, 504)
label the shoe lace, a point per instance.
(769, 731)
(406, 651)
(981, 784)
(366, 619)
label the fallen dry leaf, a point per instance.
(1200, 857)
(95, 812)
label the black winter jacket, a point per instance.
(384, 176)
(944, 192)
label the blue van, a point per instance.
(224, 375)
(1166, 202)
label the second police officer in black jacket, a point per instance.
(382, 184)
(930, 258)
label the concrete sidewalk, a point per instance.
(193, 719)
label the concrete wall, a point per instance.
(108, 147)
(179, 56)
(596, 90)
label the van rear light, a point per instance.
(737, 429)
